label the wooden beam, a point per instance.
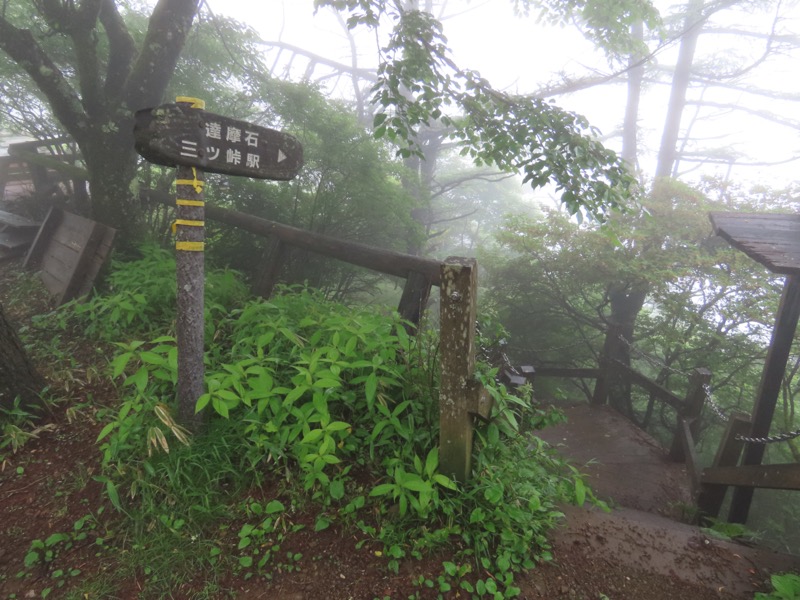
(377, 259)
(776, 477)
(769, 389)
(651, 386)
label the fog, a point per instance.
(740, 127)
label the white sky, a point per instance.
(517, 54)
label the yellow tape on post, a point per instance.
(193, 102)
(187, 223)
(190, 246)
(184, 202)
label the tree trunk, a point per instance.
(18, 378)
(626, 304)
(111, 162)
(667, 153)
(630, 128)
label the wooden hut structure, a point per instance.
(773, 240)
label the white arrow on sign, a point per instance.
(281, 156)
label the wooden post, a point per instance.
(414, 298)
(268, 277)
(769, 389)
(695, 399)
(711, 497)
(457, 393)
(600, 393)
(190, 267)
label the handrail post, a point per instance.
(600, 393)
(457, 390)
(693, 406)
(268, 278)
(711, 497)
(414, 298)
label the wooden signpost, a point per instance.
(185, 136)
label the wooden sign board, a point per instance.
(172, 135)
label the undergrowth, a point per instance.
(338, 404)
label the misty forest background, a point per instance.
(423, 156)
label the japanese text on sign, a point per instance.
(232, 155)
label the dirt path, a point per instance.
(637, 550)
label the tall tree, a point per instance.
(94, 74)
(656, 280)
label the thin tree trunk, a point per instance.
(693, 27)
(630, 128)
(18, 378)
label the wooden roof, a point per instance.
(769, 238)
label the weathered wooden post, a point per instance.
(460, 396)
(185, 136)
(695, 399)
(189, 229)
(711, 497)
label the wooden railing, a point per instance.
(708, 485)
(460, 399)
(39, 165)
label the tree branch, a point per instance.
(168, 28)
(22, 48)
(122, 49)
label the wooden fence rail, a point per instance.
(420, 273)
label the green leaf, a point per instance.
(336, 489)
(56, 538)
(445, 481)
(382, 489)
(275, 506)
(370, 388)
(246, 562)
(580, 492)
(321, 523)
(431, 462)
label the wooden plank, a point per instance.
(69, 251)
(53, 285)
(59, 260)
(776, 477)
(42, 239)
(83, 261)
(16, 221)
(768, 238)
(98, 259)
